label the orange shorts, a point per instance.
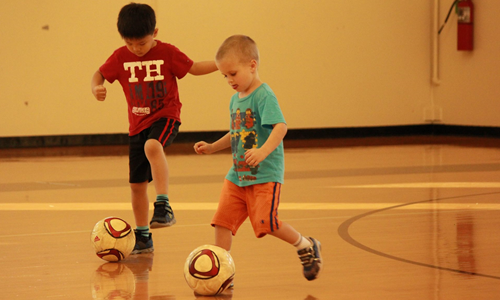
(259, 202)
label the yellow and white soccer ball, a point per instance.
(209, 270)
(113, 239)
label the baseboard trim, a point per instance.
(293, 134)
(111, 144)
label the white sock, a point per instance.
(302, 243)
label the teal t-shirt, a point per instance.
(252, 120)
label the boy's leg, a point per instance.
(162, 134)
(163, 214)
(308, 249)
(223, 237)
(140, 206)
(263, 212)
(231, 213)
(159, 166)
(286, 233)
(140, 202)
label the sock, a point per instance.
(302, 243)
(162, 198)
(143, 230)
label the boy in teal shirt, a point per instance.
(252, 187)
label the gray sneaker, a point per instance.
(143, 244)
(310, 258)
(163, 215)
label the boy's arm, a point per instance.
(202, 68)
(206, 148)
(255, 156)
(96, 84)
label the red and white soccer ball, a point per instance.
(209, 270)
(113, 239)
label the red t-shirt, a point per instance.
(149, 83)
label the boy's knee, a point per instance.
(139, 188)
(152, 147)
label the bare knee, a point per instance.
(152, 148)
(139, 189)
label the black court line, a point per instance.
(343, 231)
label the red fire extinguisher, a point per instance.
(465, 28)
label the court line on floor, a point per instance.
(343, 231)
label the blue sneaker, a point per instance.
(310, 258)
(163, 215)
(143, 244)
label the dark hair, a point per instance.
(136, 21)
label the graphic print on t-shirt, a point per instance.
(146, 94)
(243, 138)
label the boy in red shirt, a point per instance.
(147, 70)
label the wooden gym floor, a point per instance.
(414, 221)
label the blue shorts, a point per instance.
(164, 130)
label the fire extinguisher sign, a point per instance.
(463, 15)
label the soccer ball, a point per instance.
(113, 239)
(209, 270)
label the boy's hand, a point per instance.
(203, 148)
(99, 92)
(255, 156)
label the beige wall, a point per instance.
(469, 93)
(332, 63)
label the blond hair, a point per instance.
(240, 45)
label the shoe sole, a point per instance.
(320, 257)
(156, 224)
(142, 251)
